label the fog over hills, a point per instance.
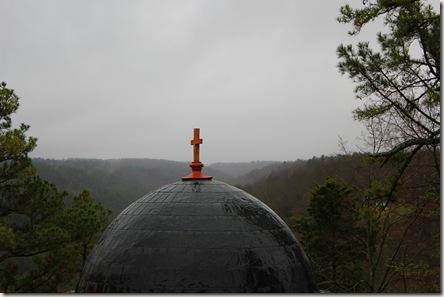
(116, 183)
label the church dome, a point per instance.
(197, 235)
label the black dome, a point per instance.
(197, 236)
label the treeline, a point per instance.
(286, 187)
(242, 172)
(359, 235)
(116, 183)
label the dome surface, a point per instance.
(197, 236)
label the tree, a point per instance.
(15, 171)
(15, 146)
(30, 212)
(401, 239)
(46, 244)
(329, 234)
(357, 244)
(39, 247)
(400, 83)
(86, 221)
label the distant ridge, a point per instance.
(242, 172)
(116, 183)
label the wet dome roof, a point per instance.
(197, 235)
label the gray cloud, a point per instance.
(113, 79)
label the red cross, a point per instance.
(196, 165)
(195, 142)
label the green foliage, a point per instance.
(330, 234)
(400, 83)
(46, 245)
(327, 206)
(113, 183)
(358, 243)
(52, 271)
(39, 246)
(29, 212)
(86, 221)
(10, 104)
(15, 146)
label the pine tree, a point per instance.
(39, 246)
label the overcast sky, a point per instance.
(131, 79)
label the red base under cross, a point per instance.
(196, 173)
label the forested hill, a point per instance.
(287, 187)
(284, 186)
(116, 183)
(243, 172)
